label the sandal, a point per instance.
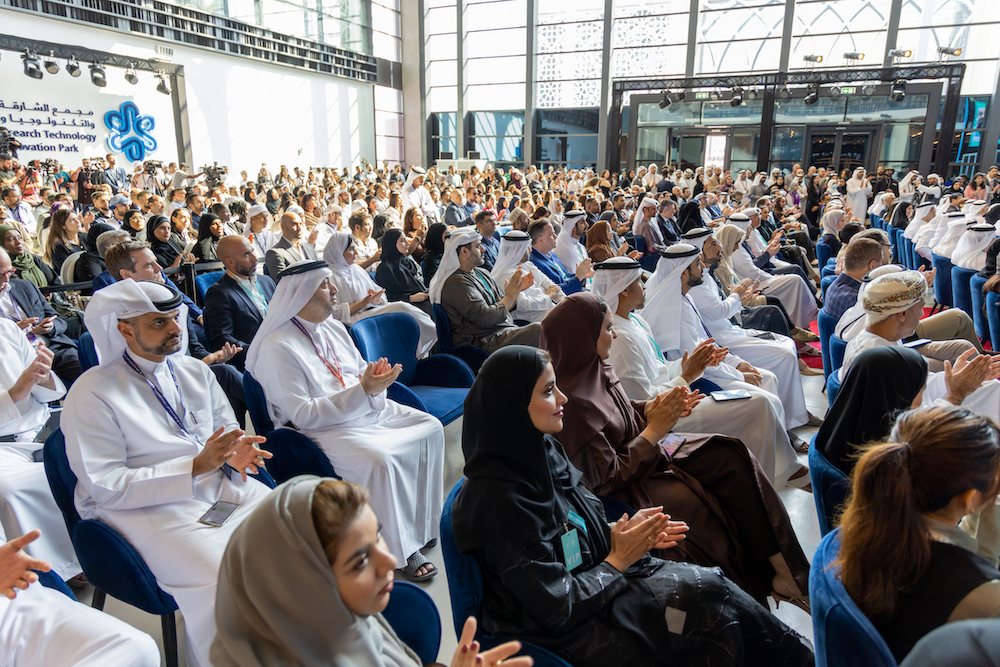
(414, 563)
(798, 444)
(803, 481)
(804, 336)
(801, 603)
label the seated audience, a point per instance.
(210, 230)
(26, 265)
(366, 249)
(620, 447)
(567, 252)
(398, 274)
(134, 223)
(169, 251)
(538, 299)
(646, 226)
(289, 248)
(477, 312)
(486, 225)
(434, 244)
(256, 231)
(319, 536)
(903, 559)
(543, 243)
(154, 444)
(645, 374)
(359, 296)
(314, 378)
(236, 305)
(959, 644)
(553, 568)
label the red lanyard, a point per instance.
(332, 366)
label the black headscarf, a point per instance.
(899, 219)
(689, 217)
(166, 251)
(205, 227)
(434, 244)
(272, 202)
(397, 273)
(992, 215)
(881, 382)
(127, 227)
(519, 479)
(91, 264)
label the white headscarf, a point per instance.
(950, 229)
(918, 220)
(568, 249)
(449, 261)
(663, 295)
(852, 322)
(831, 220)
(415, 172)
(696, 237)
(292, 294)
(352, 281)
(124, 300)
(513, 245)
(612, 276)
(970, 253)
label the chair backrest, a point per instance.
(443, 326)
(294, 455)
(87, 351)
(465, 578)
(993, 318)
(640, 244)
(826, 324)
(415, 618)
(205, 280)
(60, 476)
(256, 405)
(843, 634)
(823, 252)
(961, 288)
(942, 284)
(979, 307)
(68, 269)
(390, 335)
(838, 347)
(830, 488)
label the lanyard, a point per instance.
(656, 347)
(708, 334)
(263, 301)
(334, 366)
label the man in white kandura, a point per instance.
(154, 444)
(763, 349)
(533, 303)
(415, 195)
(43, 627)
(645, 373)
(315, 378)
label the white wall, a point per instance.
(240, 112)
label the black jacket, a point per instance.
(231, 316)
(31, 301)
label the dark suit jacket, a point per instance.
(231, 317)
(31, 301)
(280, 255)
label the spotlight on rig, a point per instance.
(163, 86)
(97, 75)
(51, 66)
(131, 76)
(32, 68)
(737, 98)
(813, 95)
(813, 59)
(898, 92)
(73, 67)
(784, 93)
(665, 102)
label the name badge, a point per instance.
(578, 521)
(572, 557)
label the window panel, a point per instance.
(758, 23)
(496, 96)
(723, 113)
(445, 124)
(388, 99)
(826, 110)
(508, 42)
(386, 46)
(560, 11)
(562, 148)
(651, 145)
(389, 148)
(391, 4)
(442, 73)
(439, 3)
(624, 8)
(980, 78)
(496, 70)
(441, 47)
(568, 94)
(649, 31)
(568, 121)
(879, 108)
(902, 142)
(385, 20)
(492, 123)
(566, 66)
(832, 16)
(655, 61)
(833, 47)
(786, 146)
(503, 149)
(678, 113)
(388, 124)
(508, 14)
(444, 98)
(570, 37)
(749, 56)
(916, 13)
(442, 20)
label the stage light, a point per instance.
(163, 86)
(813, 59)
(813, 95)
(714, 95)
(900, 53)
(51, 66)
(948, 51)
(854, 55)
(835, 91)
(680, 96)
(898, 92)
(752, 94)
(784, 93)
(737, 98)
(73, 67)
(31, 66)
(665, 102)
(131, 76)
(868, 90)
(97, 75)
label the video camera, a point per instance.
(215, 174)
(151, 166)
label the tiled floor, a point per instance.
(798, 503)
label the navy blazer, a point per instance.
(31, 301)
(231, 316)
(555, 271)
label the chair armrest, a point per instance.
(402, 394)
(471, 355)
(443, 370)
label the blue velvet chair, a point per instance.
(415, 619)
(993, 318)
(829, 269)
(843, 635)
(825, 323)
(895, 234)
(942, 282)
(649, 259)
(830, 488)
(961, 288)
(52, 580)
(825, 282)
(439, 383)
(203, 281)
(87, 351)
(823, 252)
(832, 387)
(471, 355)
(838, 348)
(979, 307)
(465, 587)
(294, 453)
(110, 563)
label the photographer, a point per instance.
(8, 144)
(146, 176)
(181, 178)
(84, 185)
(8, 175)
(30, 183)
(115, 176)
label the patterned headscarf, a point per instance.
(893, 293)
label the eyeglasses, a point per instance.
(8, 274)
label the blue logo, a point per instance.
(130, 132)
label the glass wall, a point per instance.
(570, 36)
(498, 136)
(441, 55)
(495, 61)
(566, 138)
(444, 135)
(739, 35)
(388, 125)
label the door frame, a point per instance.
(874, 130)
(704, 132)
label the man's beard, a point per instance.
(170, 346)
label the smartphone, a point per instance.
(917, 343)
(671, 442)
(218, 513)
(731, 395)
(644, 568)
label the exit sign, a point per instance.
(848, 90)
(701, 96)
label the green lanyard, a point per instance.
(659, 352)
